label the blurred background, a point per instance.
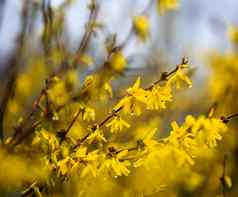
(197, 26)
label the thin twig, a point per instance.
(73, 121)
(13, 68)
(94, 8)
(227, 119)
(2, 8)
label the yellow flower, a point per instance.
(85, 59)
(86, 162)
(118, 61)
(164, 5)
(177, 131)
(81, 152)
(190, 121)
(141, 27)
(136, 99)
(46, 137)
(65, 165)
(58, 93)
(91, 161)
(117, 124)
(180, 77)
(90, 168)
(196, 133)
(158, 97)
(233, 34)
(148, 138)
(147, 147)
(24, 84)
(89, 81)
(88, 114)
(180, 137)
(116, 164)
(227, 181)
(137, 92)
(211, 130)
(182, 157)
(71, 78)
(130, 105)
(108, 89)
(96, 135)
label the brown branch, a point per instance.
(48, 26)
(12, 70)
(212, 109)
(114, 113)
(73, 121)
(63, 133)
(2, 8)
(94, 8)
(25, 133)
(227, 119)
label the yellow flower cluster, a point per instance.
(154, 98)
(184, 142)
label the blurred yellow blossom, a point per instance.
(228, 181)
(118, 61)
(85, 60)
(233, 34)
(164, 5)
(141, 27)
(89, 81)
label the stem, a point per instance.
(89, 31)
(13, 68)
(110, 116)
(226, 119)
(2, 7)
(72, 122)
(232, 116)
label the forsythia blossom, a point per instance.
(164, 5)
(141, 27)
(117, 124)
(133, 103)
(88, 114)
(180, 77)
(118, 61)
(115, 164)
(159, 96)
(233, 34)
(96, 135)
